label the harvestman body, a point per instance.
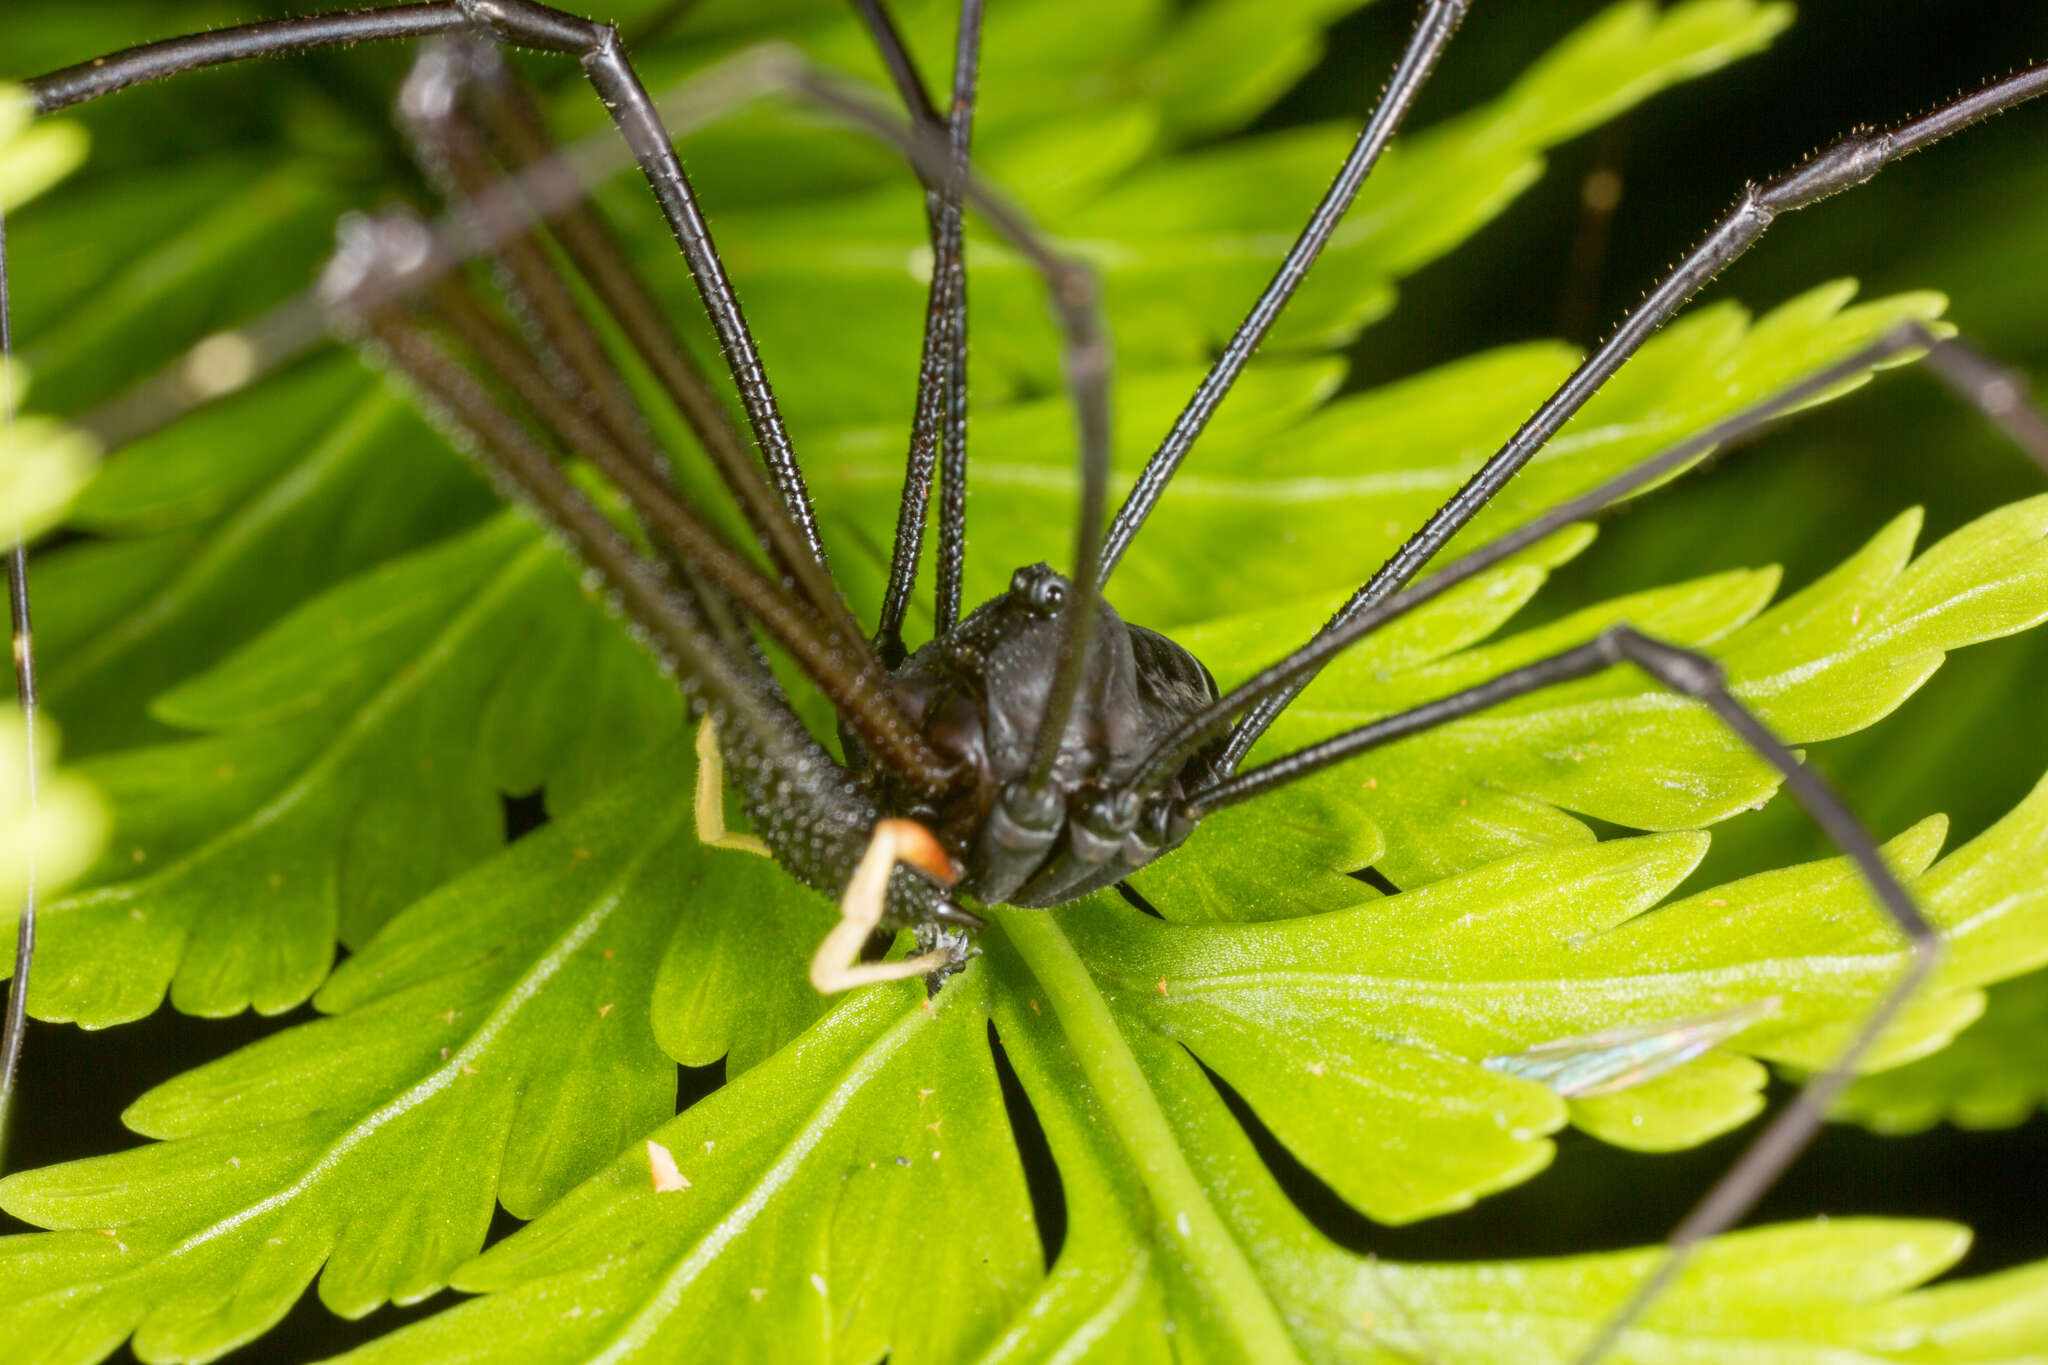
(1040, 747)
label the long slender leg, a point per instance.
(260, 347)
(940, 409)
(952, 557)
(15, 1030)
(1075, 297)
(451, 150)
(850, 678)
(1071, 286)
(678, 636)
(550, 178)
(1996, 391)
(522, 23)
(818, 835)
(1847, 163)
(805, 804)
(1699, 677)
(584, 374)
(1439, 20)
(783, 754)
(952, 561)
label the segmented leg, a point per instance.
(711, 830)
(597, 46)
(1998, 392)
(1697, 676)
(15, 1029)
(519, 137)
(1847, 163)
(837, 966)
(521, 23)
(1433, 31)
(939, 425)
(1075, 296)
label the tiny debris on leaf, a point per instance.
(663, 1164)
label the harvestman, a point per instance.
(1039, 747)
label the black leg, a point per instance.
(552, 185)
(842, 668)
(582, 399)
(1848, 163)
(1699, 677)
(547, 175)
(1999, 393)
(508, 211)
(1440, 19)
(941, 408)
(15, 1029)
(839, 660)
(1075, 297)
(451, 150)
(804, 805)
(521, 23)
(952, 565)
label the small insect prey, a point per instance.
(1040, 746)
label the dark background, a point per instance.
(1970, 217)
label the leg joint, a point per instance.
(1685, 671)
(528, 24)
(1847, 163)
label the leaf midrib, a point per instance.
(1145, 1133)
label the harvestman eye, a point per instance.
(1037, 747)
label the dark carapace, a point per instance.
(977, 693)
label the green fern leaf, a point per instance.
(353, 761)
